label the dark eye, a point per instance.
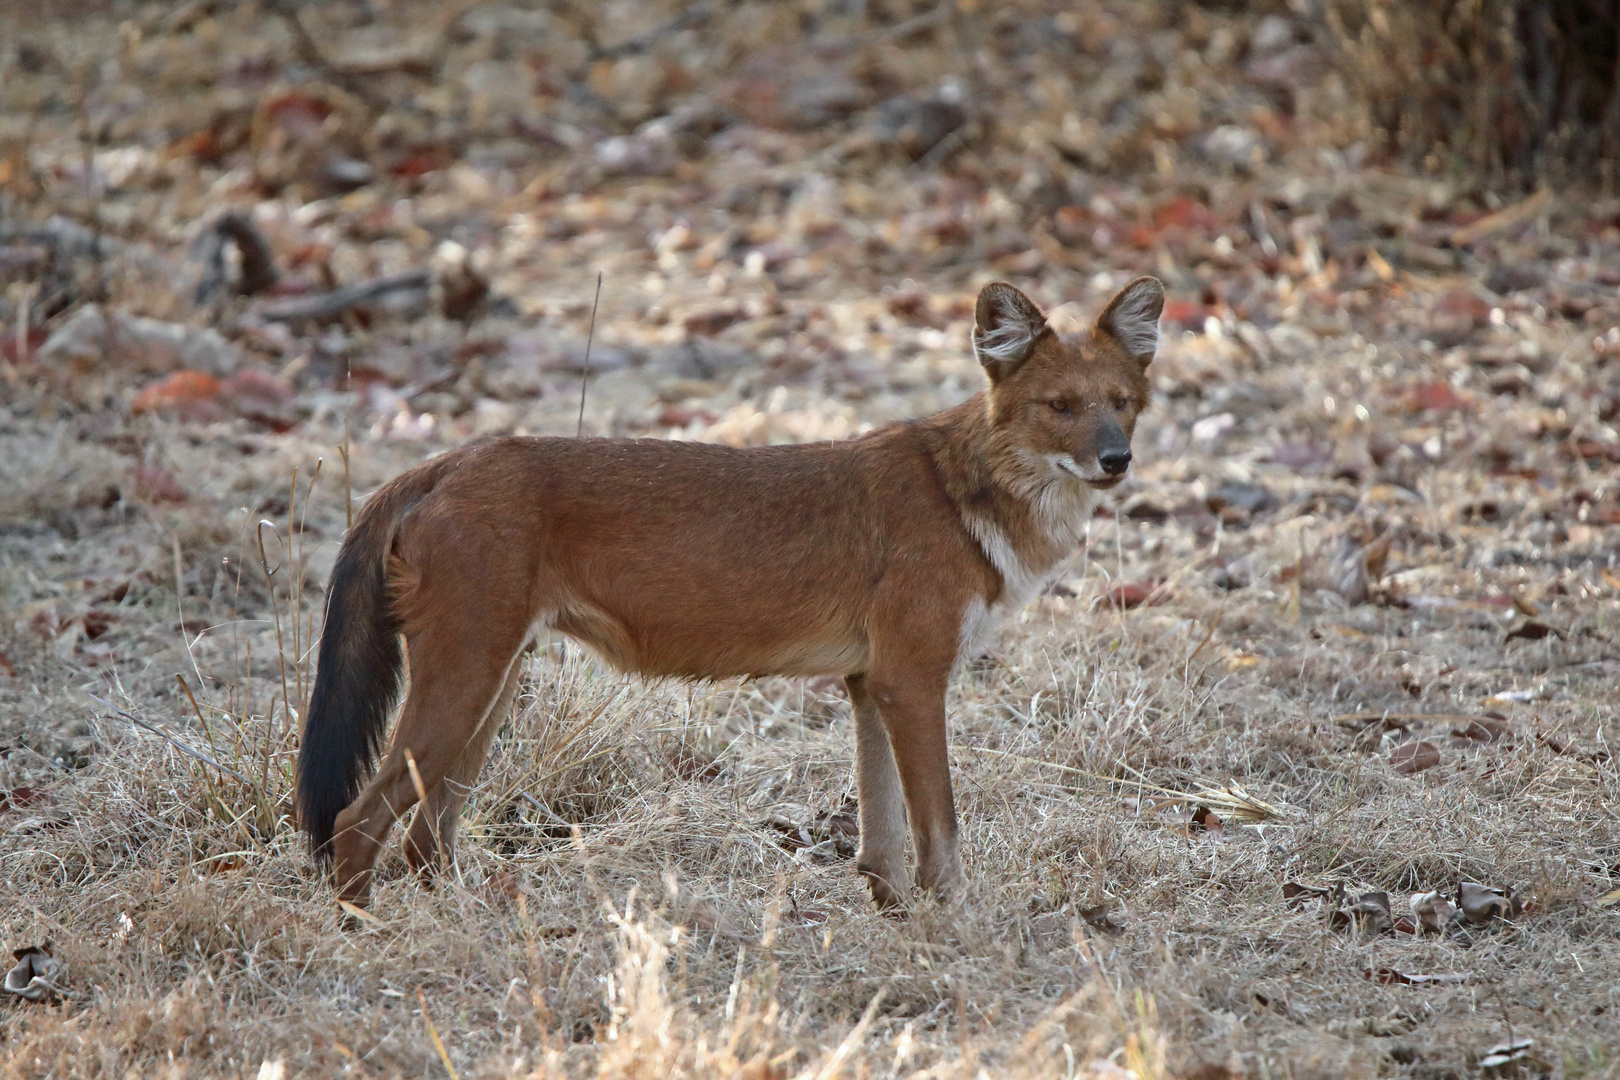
(1059, 405)
(1120, 403)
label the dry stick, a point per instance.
(174, 742)
(438, 1044)
(585, 377)
(281, 652)
(301, 641)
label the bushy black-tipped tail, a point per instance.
(356, 684)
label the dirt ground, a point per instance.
(1349, 635)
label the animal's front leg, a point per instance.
(882, 857)
(913, 711)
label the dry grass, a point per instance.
(623, 905)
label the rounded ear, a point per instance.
(1132, 318)
(1006, 325)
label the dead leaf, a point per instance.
(1123, 595)
(1205, 820)
(1506, 218)
(1436, 396)
(33, 977)
(1433, 911)
(1413, 757)
(1391, 977)
(153, 483)
(183, 391)
(1097, 917)
(356, 912)
(1507, 1053)
(1369, 914)
(1609, 899)
(7, 668)
(1485, 904)
(1486, 730)
(1294, 890)
(1532, 630)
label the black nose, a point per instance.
(1114, 462)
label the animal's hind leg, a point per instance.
(431, 843)
(459, 665)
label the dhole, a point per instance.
(884, 559)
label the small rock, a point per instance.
(917, 125)
(1235, 147)
(1517, 277)
(635, 155)
(698, 358)
(91, 339)
(1273, 35)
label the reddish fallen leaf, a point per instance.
(177, 391)
(7, 668)
(1391, 977)
(420, 163)
(1591, 448)
(299, 114)
(1206, 821)
(260, 397)
(97, 622)
(678, 417)
(711, 322)
(223, 864)
(1294, 890)
(1414, 757)
(1129, 594)
(1463, 304)
(1186, 314)
(156, 484)
(1436, 396)
(1184, 212)
(8, 343)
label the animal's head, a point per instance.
(1066, 405)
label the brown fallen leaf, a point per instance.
(186, 391)
(1532, 630)
(1369, 914)
(1097, 917)
(1129, 594)
(1484, 730)
(33, 976)
(1414, 757)
(1484, 903)
(1206, 821)
(153, 483)
(1433, 911)
(1609, 899)
(1506, 218)
(1294, 890)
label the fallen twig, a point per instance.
(330, 304)
(174, 742)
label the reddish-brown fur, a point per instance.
(881, 559)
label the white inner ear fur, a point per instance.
(1008, 341)
(1134, 321)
